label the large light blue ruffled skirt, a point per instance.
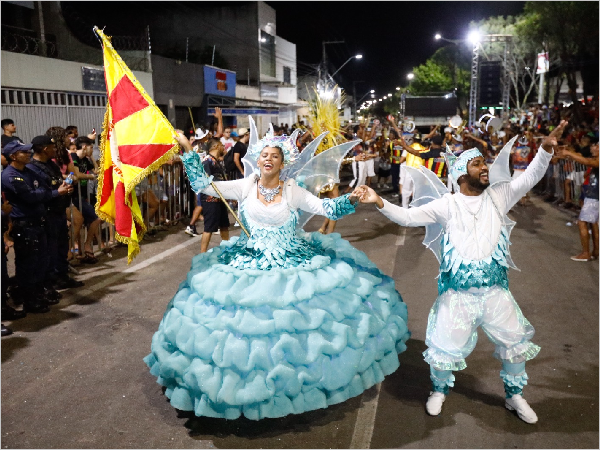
(268, 343)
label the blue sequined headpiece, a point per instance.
(286, 143)
(458, 165)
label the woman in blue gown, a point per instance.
(280, 322)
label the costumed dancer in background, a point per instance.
(279, 321)
(325, 117)
(469, 234)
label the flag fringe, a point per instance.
(100, 213)
(133, 248)
(151, 168)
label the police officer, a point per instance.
(8, 312)
(57, 232)
(27, 196)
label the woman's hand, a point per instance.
(367, 195)
(183, 141)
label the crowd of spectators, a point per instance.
(48, 216)
(47, 219)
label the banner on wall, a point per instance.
(543, 63)
(219, 81)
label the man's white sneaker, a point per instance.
(519, 404)
(434, 403)
(191, 230)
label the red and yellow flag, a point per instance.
(136, 140)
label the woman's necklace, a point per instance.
(268, 194)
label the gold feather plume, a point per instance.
(324, 116)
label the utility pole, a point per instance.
(354, 95)
(323, 74)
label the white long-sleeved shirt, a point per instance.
(296, 196)
(472, 222)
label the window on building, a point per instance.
(287, 75)
(267, 54)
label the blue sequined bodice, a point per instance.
(462, 274)
(268, 247)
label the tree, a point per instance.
(446, 71)
(570, 31)
(521, 56)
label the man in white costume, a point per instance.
(469, 233)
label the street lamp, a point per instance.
(410, 76)
(474, 37)
(370, 92)
(359, 56)
(438, 37)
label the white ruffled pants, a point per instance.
(455, 317)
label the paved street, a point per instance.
(74, 378)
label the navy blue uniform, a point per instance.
(5, 278)
(28, 194)
(57, 231)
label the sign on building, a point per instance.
(219, 81)
(268, 92)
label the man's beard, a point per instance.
(476, 184)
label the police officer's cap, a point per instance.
(15, 146)
(42, 140)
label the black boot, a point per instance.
(9, 313)
(6, 331)
(51, 295)
(34, 301)
(66, 282)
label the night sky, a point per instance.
(393, 37)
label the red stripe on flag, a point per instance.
(125, 99)
(107, 186)
(123, 217)
(142, 155)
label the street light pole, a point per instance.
(347, 61)
(354, 94)
(323, 76)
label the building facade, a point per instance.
(50, 77)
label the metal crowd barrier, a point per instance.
(166, 190)
(564, 180)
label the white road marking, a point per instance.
(160, 256)
(400, 239)
(111, 280)
(365, 419)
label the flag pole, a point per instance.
(192, 117)
(214, 186)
